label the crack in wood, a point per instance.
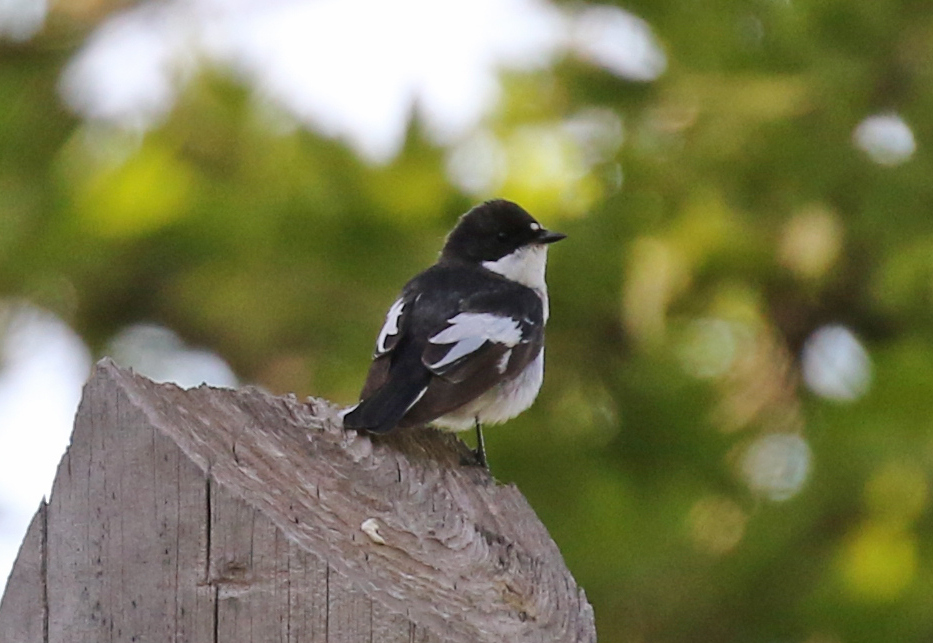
(207, 528)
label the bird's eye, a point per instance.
(502, 236)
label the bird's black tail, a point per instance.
(382, 411)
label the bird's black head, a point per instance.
(493, 230)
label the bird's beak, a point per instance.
(549, 236)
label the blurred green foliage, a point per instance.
(735, 218)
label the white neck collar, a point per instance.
(525, 266)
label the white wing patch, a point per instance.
(503, 363)
(495, 328)
(390, 327)
(464, 347)
(469, 331)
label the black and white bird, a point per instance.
(463, 345)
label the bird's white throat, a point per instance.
(525, 266)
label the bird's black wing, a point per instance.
(452, 335)
(396, 376)
(486, 330)
(494, 334)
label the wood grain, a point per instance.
(219, 515)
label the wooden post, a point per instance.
(211, 515)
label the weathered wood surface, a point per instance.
(220, 515)
(24, 607)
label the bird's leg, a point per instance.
(480, 446)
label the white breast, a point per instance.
(500, 403)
